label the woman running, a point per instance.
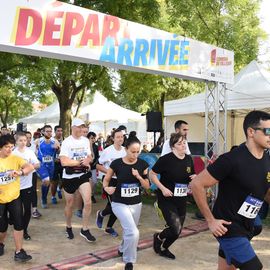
(176, 170)
(131, 173)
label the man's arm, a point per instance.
(198, 186)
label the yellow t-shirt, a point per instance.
(10, 186)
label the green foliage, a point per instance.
(15, 103)
(230, 24)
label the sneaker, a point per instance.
(59, 193)
(69, 233)
(156, 243)
(36, 214)
(79, 213)
(87, 236)
(129, 266)
(54, 200)
(22, 256)
(44, 204)
(111, 231)
(99, 219)
(93, 199)
(26, 236)
(2, 249)
(167, 254)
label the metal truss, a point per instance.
(215, 120)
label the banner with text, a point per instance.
(57, 30)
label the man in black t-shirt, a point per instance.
(244, 181)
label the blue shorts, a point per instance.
(46, 171)
(236, 249)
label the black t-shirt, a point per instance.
(240, 175)
(128, 186)
(174, 172)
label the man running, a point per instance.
(181, 127)
(46, 151)
(75, 157)
(244, 181)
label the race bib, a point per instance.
(79, 156)
(250, 208)
(5, 178)
(129, 190)
(180, 190)
(47, 159)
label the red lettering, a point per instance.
(24, 38)
(91, 31)
(111, 26)
(51, 27)
(73, 26)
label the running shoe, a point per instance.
(111, 231)
(87, 236)
(79, 213)
(156, 243)
(129, 266)
(120, 254)
(26, 236)
(22, 256)
(54, 200)
(59, 193)
(99, 219)
(69, 233)
(36, 214)
(167, 254)
(2, 249)
(44, 204)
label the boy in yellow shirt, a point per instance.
(11, 168)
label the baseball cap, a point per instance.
(77, 122)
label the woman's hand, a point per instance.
(166, 192)
(110, 190)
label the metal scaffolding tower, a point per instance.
(215, 120)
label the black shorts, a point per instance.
(58, 172)
(15, 211)
(71, 185)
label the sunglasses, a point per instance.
(266, 131)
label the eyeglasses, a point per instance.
(266, 131)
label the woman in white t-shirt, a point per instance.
(109, 154)
(24, 152)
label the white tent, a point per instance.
(103, 115)
(251, 90)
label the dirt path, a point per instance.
(49, 244)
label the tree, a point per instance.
(15, 103)
(230, 24)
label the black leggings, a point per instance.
(34, 190)
(108, 211)
(15, 210)
(174, 217)
(26, 195)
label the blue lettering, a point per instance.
(183, 53)
(141, 49)
(174, 52)
(152, 56)
(162, 52)
(108, 51)
(124, 52)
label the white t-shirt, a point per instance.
(30, 157)
(75, 149)
(109, 154)
(166, 149)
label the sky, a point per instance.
(265, 24)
